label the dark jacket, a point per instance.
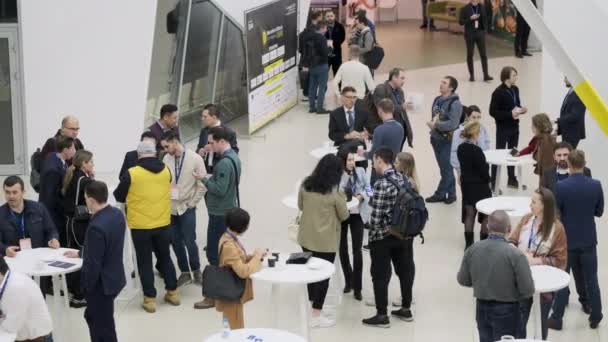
(469, 25)
(151, 164)
(303, 37)
(389, 134)
(222, 185)
(550, 177)
(338, 125)
(385, 91)
(320, 51)
(158, 133)
(51, 181)
(337, 35)
(129, 161)
(449, 109)
(473, 166)
(580, 200)
(504, 100)
(69, 201)
(38, 224)
(50, 146)
(203, 140)
(102, 264)
(571, 121)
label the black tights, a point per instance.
(470, 213)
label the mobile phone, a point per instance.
(513, 152)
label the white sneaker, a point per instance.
(322, 322)
(370, 302)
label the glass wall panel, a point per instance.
(231, 87)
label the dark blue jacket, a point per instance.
(579, 200)
(571, 121)
(39, 226)
(389, 134)
(102, 264)
(51, 181)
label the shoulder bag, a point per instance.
(222, 283)
(81, 212)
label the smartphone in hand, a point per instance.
(513, 152)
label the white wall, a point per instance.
(90, 59)
(588, 55)
(410, 9)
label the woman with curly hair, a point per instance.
(541, 145)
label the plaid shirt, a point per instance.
(382, 203)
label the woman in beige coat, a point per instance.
(323, 208)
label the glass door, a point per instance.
(12, 159)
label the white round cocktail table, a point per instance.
(36, 263)
(502, 158)
(291, 201)
(256, 335)
(7, 337)
(300, 275)
(514, 206)
(546, 279)
(329, 148)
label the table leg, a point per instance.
(274, 295)
(57, 314)
(537, 318)
(498, 179)
(520, 178)
(305, 312)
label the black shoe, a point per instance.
(378, 321)
(322, 111)
(554, 324)
(403, 314)
(527, 54)
(513, 183)
(423, 26)
(594, 324)
(471, 78)
(488, 78)
(347, 289)
(311, 111)
(358, 295)
(435, 199)
(587, 309)
(78, 303)
(519, 55)
(433, 28)
(450, 200)
(366, 248)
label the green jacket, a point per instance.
(221, 186)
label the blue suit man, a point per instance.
(579, 200)
(571, 121)
(103, 274)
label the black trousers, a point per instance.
(335, 62)
(505, 139)
(303, 81)
(76, 232)
(99, 315)
(157, 241)
(522, 34)
(352, 274)
(401, 254)
(318, 291)
(476, 37)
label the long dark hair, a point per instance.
(549, 211)
(326, 175)
(343, 153)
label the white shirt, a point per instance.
(210, 159)
(354, 74)
(26, 312)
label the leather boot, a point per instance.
(469, 239)
(172, 297)
(483, 236)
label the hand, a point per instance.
(12, 251)
(202, 152)
(431, 124)
(71, 254)
(260, 253)
(198, 175)
(532, 260)
(54, 244)
(359, 197)
(515, 112)
(523, 110)
(365, 134)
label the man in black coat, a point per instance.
(103, 274)
(560, 171)
(571, 121)
(131, 156)
(303, 37)
(475, 21)
(336, 34)
(211, 118)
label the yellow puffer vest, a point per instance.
(149, 199)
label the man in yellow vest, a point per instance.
(146, 191)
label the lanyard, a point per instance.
(496, 237)
(8, 275)
(178, 168)
(514, 96)
(20, 224)
(531, 238)
(476, 9)
(237, 241)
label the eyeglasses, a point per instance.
(352, 97)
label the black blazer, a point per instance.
(102, 265)
(69, 201)
(51, 181)
(39, 226)
(203, 140)
(338, 126)
(129, 162)
(501, 107)
(473, 165)
(338, 36)
(571, 121)
(469, 25)
(550, 178)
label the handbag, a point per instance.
(222, 283)
(299, 258)
(81, 212)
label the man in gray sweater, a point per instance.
(500, 276)
(446, 113)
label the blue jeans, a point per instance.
(583, 262)
(525, 307)
(495, 320)
(317, 86)
(184, 240)
(215, 230)
(447, 185)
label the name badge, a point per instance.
(476, 24)
(25, 244)
(174, 192)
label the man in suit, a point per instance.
(522, 33)
(475, 21)
(579, 200)
(103, 274)
(211, 118)
(336, 35)
(168, 121)
(70, 127)
(560, 171)
(347, 122)
(571, 121)
(51, 182)
(131, 156)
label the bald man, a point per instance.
(70, 127)
(500, 276)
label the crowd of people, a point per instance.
(162, 182)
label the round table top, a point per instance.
(315, 270)
(515, 206)
(328, 148)
(7, 337)
(35, 262)
(549, 279)
(503, 157)
(291, 201)
(256, 335)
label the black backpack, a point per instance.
(409, 213)
(36, 165)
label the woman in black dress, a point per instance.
(474, 181)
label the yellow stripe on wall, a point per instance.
(594, 103)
